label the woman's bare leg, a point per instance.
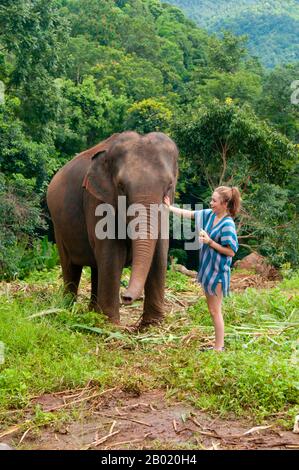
(214, 305)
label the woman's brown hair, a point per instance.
(232, 197)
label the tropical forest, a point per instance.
(221, 79)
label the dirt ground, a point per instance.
(120, 420)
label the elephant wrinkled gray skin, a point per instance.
(144, 169)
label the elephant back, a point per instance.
(101, 147)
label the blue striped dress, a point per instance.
(213, 266)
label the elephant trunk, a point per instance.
(143, 249)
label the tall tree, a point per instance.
(33, 33)
(275, 103)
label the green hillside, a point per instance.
(272, 26)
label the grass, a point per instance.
(256, 377)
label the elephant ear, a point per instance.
(98, 179)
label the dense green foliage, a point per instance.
(271, 25)
(76, 71)
(20, 252)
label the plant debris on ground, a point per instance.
(72, 380)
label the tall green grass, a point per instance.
(256, 376)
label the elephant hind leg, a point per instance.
(71, 272)
(94, 289)
(71, 276)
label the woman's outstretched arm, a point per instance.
(176, 210)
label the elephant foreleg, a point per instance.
(111, 262)
(71, 276)
(153, 309)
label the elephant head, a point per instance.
(144, 169)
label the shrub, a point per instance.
(20, 217)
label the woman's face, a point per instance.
(217, 205)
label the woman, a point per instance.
(217, 232)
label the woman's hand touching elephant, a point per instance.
(166, 201)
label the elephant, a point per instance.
(144, 169)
